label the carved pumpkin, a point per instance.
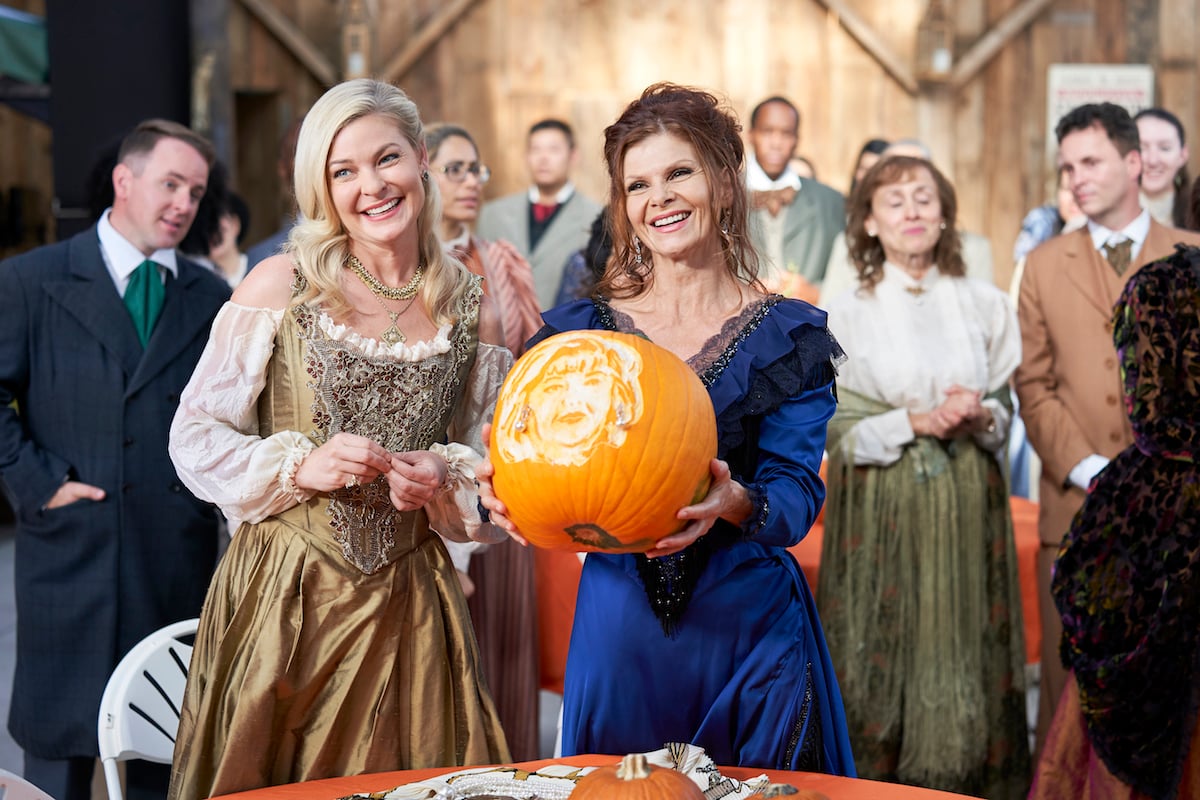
(635, 779)
(599, 438)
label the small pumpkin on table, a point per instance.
(635, 778)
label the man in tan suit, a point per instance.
(1067, 382)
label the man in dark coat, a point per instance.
(98, 336)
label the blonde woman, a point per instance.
(335, 415)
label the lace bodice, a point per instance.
(274, 385)
(401, 404)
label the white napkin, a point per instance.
(556, 781)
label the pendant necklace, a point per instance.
(393, 335)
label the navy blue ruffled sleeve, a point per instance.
(773, 401)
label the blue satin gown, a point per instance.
(724, 649)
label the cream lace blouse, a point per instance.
(219, 454)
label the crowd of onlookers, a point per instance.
(953, 394)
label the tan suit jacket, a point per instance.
(1068, 383)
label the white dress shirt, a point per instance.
(122, 257)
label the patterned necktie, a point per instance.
(1119, 255)
(144, 298)
(773, 200)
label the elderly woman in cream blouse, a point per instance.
(919, 592)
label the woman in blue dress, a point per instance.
(712, 637)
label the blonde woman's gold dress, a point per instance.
(335, 639)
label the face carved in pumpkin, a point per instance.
(583, 398)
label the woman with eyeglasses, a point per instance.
(499, 579)
(508, 278)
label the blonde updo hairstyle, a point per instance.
(319, 244)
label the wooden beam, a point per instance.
(294, 40)
(212, 93)
(870, 41)
(430, 32)
(988, 45)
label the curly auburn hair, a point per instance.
(699, 118)
(866, 252)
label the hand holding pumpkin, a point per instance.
(346, 459)
(414, 478)
(497, 512)
(726, 499)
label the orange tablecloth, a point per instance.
(837, 788)
(558, 579)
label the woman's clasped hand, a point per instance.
(348, 460)
(345, 460)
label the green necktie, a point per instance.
(144, 298)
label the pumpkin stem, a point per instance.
(633, 767)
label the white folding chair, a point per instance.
(139, 713)
(14, 787)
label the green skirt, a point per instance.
(920, 601)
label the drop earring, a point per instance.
(637, 250)
(725, 223)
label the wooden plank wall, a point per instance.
(507, 63)
(25, 163)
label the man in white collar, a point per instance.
(98, 336)
(1068, 383)
(793, 220)
(549, 222)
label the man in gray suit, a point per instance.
(98, 336)
(793, 221)
(549, 222)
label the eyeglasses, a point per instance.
(457, 171)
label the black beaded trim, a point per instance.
(806, 734)
(605, 313)
(670, 580)
(757, 313)
(760, 511)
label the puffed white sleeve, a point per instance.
(215, 442)
(455, 512)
